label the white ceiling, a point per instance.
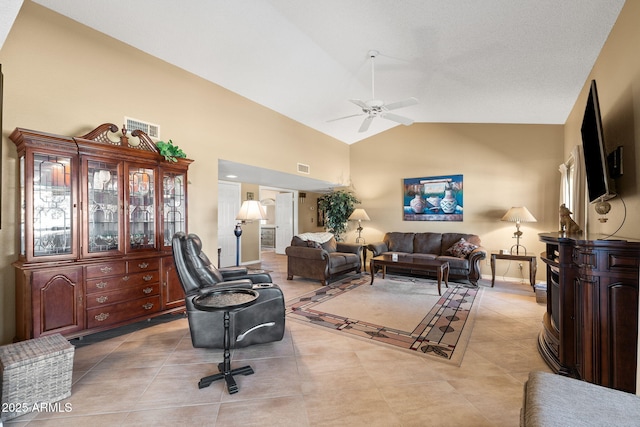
(466, 61)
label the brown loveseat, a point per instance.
(322, 261)
(464, 256)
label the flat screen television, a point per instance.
(599, 183)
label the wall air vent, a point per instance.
(304, 168)
(149, 128)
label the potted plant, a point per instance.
(337, 206)
(170, 152)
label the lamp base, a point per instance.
(238, 232)
(518, 251)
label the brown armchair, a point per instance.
(322, 261)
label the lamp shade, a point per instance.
(518, 214)
(359, 215)
(251, 210)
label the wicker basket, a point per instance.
(36, 371)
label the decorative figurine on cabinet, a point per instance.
(567, 225)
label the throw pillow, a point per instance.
(312, 244)
(461, 248)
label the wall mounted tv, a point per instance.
(599, 183)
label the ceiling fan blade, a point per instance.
(345, 117)
(401, 104)
(360, 104)
(396, 118)
(365, 124)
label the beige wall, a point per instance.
(617, 74)
(502, 166)
(64, 78)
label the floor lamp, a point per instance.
(359, 215)
(518, 214)
(251, 210)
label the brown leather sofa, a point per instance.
(464, 258)
(322, 261)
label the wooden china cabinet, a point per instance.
(590, 329)
(97, 216)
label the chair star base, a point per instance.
(232, 387)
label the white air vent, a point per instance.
(304, 168)
(149, 128)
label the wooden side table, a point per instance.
(531, 259)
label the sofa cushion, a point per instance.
(427, 243)
(339, 259)
(330, 246)
(399, 242)
(424, 256)
(461, 248)
(455, 263)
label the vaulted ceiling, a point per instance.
(468, 61)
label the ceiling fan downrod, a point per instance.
(372, 55)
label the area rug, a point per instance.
(399, 312)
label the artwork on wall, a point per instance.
(434, 198)
(320, 215)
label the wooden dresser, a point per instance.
(590, 329)
(98, 214)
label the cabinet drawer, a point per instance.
(105, 269)
(120, 282)
(114, 313)
(622, 262)
(147, 264)
(101, 299)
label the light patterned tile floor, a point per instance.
(147, 374)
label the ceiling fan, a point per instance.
(377, 108)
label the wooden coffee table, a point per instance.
(408, 262)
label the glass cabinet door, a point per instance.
(174, 209)
(53, 206)
(142, 208)
(103, 206)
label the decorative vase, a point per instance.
(448, 203)
(417, 204)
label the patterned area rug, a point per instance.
(391, 312)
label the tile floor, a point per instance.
(147, 374)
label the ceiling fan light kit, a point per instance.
(377, 108)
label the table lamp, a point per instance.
(518, 214)
(359, 215)
(251, 210)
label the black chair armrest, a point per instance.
(244, 284)
(230, 272)
(377, 248)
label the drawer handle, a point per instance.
(147, 290)
(125, 278)
(102, 317)
(102, 299)
(143, 265)
(148, 306)
(147, 277)
(101, 285)
(106, 269)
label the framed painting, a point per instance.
(319, 215)
(434, 198)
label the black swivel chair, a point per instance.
(260, 322)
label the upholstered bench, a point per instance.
(554, 400)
